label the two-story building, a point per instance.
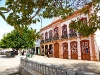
(66, 43)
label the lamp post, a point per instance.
(41, 20)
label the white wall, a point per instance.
(97, 43)
(37, 43)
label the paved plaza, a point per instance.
(93, 66)
(7, 63)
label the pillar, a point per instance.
(60, 50)
(92, 48)
(79, 48)
(69, 50)
(53, 49)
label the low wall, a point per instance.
(31, 67)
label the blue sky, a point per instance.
(4, 27)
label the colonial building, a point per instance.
(66, 43)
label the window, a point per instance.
(64, 29)
(46, 35)
(55, 31)
(87, 51)
(72, 31)
(50, 34)
(83, 19)
(42, 36)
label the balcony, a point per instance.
(42, 41)
(55, 37)
(48, 40)
(64, 36)
(72, 35)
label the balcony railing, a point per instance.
(72, 35)
(48, 40)
(42, 41)
(64, 36)
(55, 37)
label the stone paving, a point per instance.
(6, 63)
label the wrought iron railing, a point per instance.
(72, 35)
(64, 36)
(55, 37)
(42, 41)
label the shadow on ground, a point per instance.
(87, 67)
(4, 56)
(11, 71)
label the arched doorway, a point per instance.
(46, 48)
(74, 50)
(56, 50)
(65, 50)
(85, 50)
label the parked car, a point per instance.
(10, 54)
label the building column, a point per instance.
(44, 49)
(60, 50)
(92, 48)
(40, 50)
(69, 50)
(79, 48)
(48, 46)
(53, 49)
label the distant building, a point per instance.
(36, 49)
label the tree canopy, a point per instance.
(25, 12)
(17, 40)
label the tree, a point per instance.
(18, 40)
(87, 25)
(25, 12)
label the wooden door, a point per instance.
(56, 50)
(74, 50)
(65, 50)
(85, 50)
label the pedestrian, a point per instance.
(22, 52)
(47, 53)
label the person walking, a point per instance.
(47, 53)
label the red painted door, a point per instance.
(65, 50)
(56, 50)
(85, 50)
(74, 50)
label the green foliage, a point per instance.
(1, 14)
(15, 39)
(86, 26)
(25, 12)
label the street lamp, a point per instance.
(41, 20)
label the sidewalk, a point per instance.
(88, 66)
